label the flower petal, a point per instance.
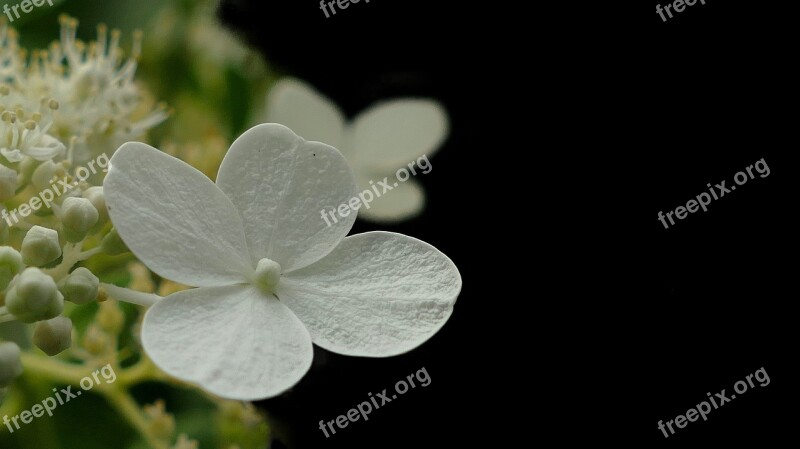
(402, 202)
(391, 134)
(48, 148)
(295, 104)
(234, 341)
(12, 156)
(174, 219)
(377, 294)
(280, 184)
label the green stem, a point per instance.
(130, 296)
(71, 256)
(53, 369)
(142, 371)
(116, 394)
(89, 253)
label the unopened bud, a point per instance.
(10, 363)
(78, 216)
(53, 336)
(4, 232)
(34, 297)
(112, 244)
(162, 424)
(96, 196)
(80, 287)
(185, 443)
(8, 183)
(44, 173)
(110, 318)
(40, 246)
(27, 166)
(10, 265)
(95, 340)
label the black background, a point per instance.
(374, 51)
(722, 95)
(639, 125)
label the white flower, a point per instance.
(379, 141)
(25, 133)
(101, 103)
(72, 90)
(272, 275)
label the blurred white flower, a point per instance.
(272, 276)
(70, 91)
(23, 133)
(377, 142)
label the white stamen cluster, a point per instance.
(71, 90)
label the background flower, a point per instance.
(377, 142)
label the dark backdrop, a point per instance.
(722, 304)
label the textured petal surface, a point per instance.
(377, 294)
(234, 341)
(389, 135)
(402, 202)
(295, 104)
(280, 183)
(174, 219)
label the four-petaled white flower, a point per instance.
(379, 141)
(272, 276)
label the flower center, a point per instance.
(268, 273)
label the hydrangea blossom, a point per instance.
(72, 93)
(272, 276)
(376, 143)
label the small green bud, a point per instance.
(3, 227)
(73, 193)
(8, 183)
(44, 173)
(40, 246)
(185, 443)
(53, 336)
(112, 244)
(95, 341)
(34, 297)
(80, 287)
(78, 216)
(98, 199)
(160, 423)
(110, 317)
(27, 166)
(10, 265)
(10, 363)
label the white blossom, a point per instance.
(377, 142)
(272, 275)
